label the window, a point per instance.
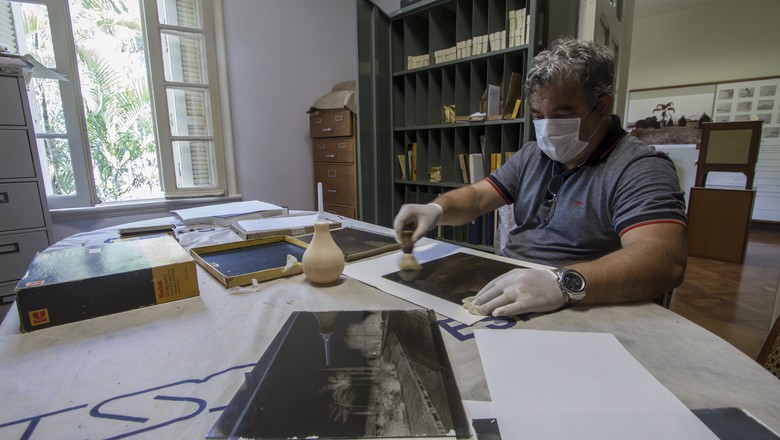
(139, 115)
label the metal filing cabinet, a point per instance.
(24, 215)
(333, 140)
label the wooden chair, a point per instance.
(770, 353)
(729, 147)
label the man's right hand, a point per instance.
(421, 218)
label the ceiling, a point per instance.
(651, 8)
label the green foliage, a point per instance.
(112, 72)
(117, 105)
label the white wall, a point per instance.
(283, 55)
(730, 40)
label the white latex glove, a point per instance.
(520, 291)
(420, 217)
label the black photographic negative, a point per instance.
(349, 374)
(454, 277)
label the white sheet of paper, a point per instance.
(477, 409)
(565, 385)
(225, 209)
(370, 271)
(274, 223)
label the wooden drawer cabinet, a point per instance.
(330, 123)
(338, 183)
(25, 223)
(328, 150)
(343, 211)
(333, 152)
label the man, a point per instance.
(602, 207)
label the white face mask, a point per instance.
(559, 139)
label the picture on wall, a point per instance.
(750, 100)
(670, 116)
(758, 99)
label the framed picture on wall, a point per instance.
(670, 115)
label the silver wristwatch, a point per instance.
(572, 285)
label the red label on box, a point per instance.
(39, 317)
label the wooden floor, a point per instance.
(731, 300)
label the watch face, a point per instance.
(573, 282)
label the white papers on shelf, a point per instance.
(518, 27)
(417, 61)
(444, 55)
(564, 385)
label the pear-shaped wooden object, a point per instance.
(323, 262)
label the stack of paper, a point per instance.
(227, 213)
(267, 227)
(561, 385)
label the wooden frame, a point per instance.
(729, 147)
(264, 264)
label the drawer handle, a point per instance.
(4, 197)
(333, 191)
(11, 248)
(330, 156)
(326, 129)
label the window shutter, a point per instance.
(182, 36)
(7, 31)
(191, 67)
(200, 158)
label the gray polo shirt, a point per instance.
(624, 184)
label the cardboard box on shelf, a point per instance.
(72, 284)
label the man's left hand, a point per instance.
(520, 291)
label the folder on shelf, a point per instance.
(402, 162)
(476, 167)
(493, 108)
(495, 162)
(475, 231)
(514, 94)
(413, 165)
(490, 228)
(463, 160)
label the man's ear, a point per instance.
(605, 103)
